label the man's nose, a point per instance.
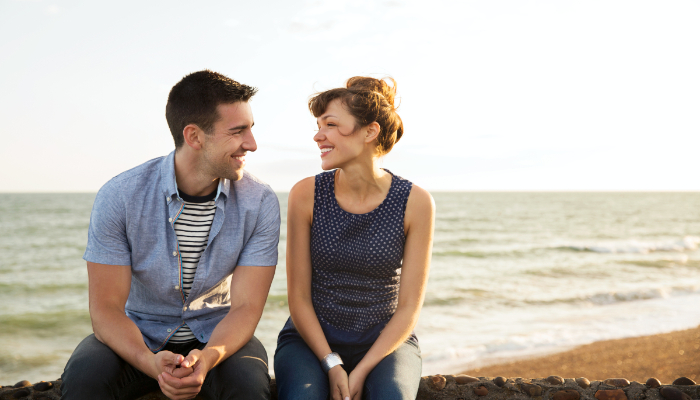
(249, 143)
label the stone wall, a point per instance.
(463, 387)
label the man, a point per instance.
(181, 254)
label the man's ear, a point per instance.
(193, 136)
(373, 130)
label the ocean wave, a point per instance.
(594, 299)
(562, 272)
(607, 298)
(11, 363)
(680, 261)
(17, 288)
(47, 324)
(688, 243)
(457, 253)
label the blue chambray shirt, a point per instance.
(132, 224)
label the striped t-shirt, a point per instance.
(192, 227)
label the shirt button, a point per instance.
(170, 220)
(184, 308)
(167, 198)
(170, 330)
(174, 253)
(177, 287)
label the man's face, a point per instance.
(224, 150)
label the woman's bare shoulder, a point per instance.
(302, 193)
(303, 186)
(420, 200)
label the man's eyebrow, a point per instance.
(241, 127)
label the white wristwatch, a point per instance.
(330, 361)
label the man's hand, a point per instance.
(338, 381)
(186, 381)
(166, 361)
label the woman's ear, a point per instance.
(192, 135)
(373, 130)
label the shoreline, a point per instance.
(664, 356)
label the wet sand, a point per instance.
(665, 357)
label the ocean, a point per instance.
(512, 275)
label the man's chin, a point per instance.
(235, 176)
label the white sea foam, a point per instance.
(611, 297)
(644, 294)
(562, 329)
(688, 243)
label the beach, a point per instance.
(665, 356)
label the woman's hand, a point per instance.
(356, 382)
(338, 382)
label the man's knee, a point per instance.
(245, 374)
(91, 369)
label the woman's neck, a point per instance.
(362, 182)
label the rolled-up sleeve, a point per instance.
(107, 241)
(261, 249)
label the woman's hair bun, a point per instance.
(375, 85)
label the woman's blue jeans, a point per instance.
(299, 374)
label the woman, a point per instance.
(358, 251)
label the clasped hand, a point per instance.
(344, 386)
(180, 377)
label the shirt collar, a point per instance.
(169, 183)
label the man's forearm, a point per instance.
(232, 333)
(119, 333)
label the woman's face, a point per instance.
(337, 137)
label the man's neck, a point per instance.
(189, 177)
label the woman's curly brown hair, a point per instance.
(368, 100)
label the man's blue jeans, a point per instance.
(299, 374)
(94, 371)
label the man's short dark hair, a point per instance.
(194, 99)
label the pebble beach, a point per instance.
(665, 357)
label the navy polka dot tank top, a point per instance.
(356, 263)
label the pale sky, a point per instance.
(495, 95)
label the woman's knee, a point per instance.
(397, 376)
(298, 373)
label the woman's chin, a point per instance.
(327, 166)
